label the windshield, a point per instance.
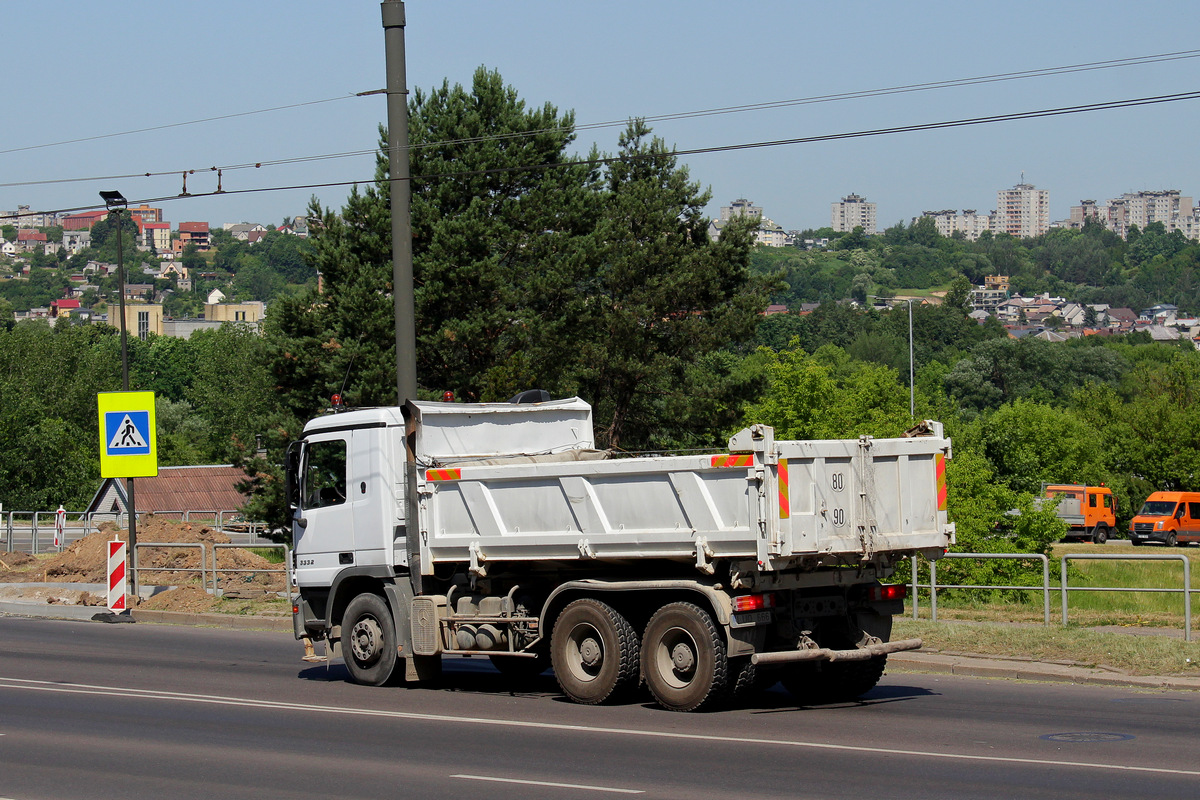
(1158, 508)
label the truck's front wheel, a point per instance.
(683, 657)
(369, 640)
(594, 651)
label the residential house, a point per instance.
(242, 230)
(154, 235)
(192, 233)
(64, 308)
(1123, 319)
(74, 241)
(31, 241)
(138, 291)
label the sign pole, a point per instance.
(133, 576)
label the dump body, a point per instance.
(500, 530)
(772, 503)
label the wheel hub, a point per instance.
(590, 652)
(682, 658)
(364, 639)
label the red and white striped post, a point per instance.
(60, 524)
(116, 575)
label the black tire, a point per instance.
(683, 658)
(369, 640)
(1099, 535)
(1172, 540)
(1136, 542)
(594, 651)
(833, 681)
(745, 679)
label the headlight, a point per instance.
(1158, 525)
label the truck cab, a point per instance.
(1170, 518)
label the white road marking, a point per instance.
(549, 783)
(208, 699)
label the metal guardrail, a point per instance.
(201, 569)
(287, 566)
(209, 565)
(33, 531)
(1063, 586)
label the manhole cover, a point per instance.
(1086, 737)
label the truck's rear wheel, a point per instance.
(594, 651)
(683, 657)
(369, 640)
(832, 681)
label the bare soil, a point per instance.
(86, 561)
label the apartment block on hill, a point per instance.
(851, 212)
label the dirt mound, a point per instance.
(189, 599)
(11, 561)
(86, 561)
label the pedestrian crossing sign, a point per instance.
(127, 436)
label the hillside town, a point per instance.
(1021, 212)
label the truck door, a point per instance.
(324, 526)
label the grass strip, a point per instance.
(1120, 652)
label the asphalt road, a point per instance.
(143, 711)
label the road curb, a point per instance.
(214, 620)
(983, 667)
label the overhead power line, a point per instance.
(179, 124)
(596, 162)
(767, 105)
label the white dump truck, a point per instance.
(498, 530)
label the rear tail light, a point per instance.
(888, 591)
(753, 602)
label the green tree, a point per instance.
(659, 292)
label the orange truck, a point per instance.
(1089, 511)
(1172, 518)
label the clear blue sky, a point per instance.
(76, 70)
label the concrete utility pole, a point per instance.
(400, 190)
(117, 204)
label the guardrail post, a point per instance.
(933, 591)
(915, 597)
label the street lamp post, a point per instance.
(116, 205)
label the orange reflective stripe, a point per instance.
(733, 461)
(941, 481)
(443, 474)
(785, 505)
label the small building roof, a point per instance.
(200, 488)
